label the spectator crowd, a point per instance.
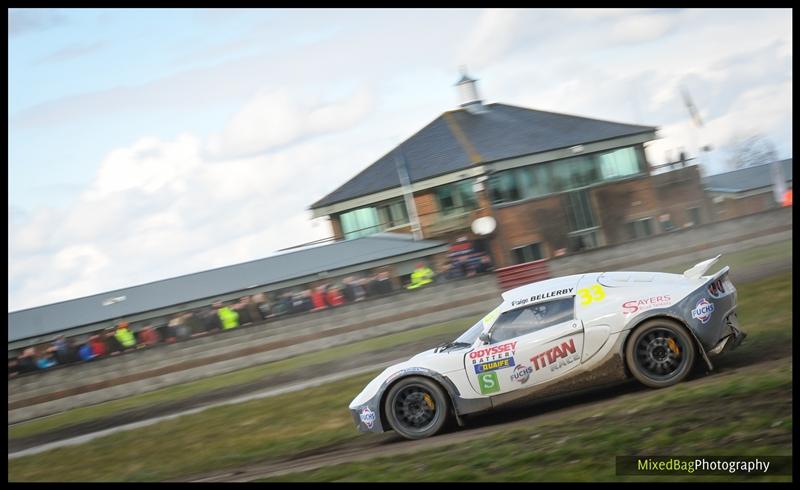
(228, 315)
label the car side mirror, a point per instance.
(485, 338)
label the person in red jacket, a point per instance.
(335, 297)
(98, 345)
(318, 298)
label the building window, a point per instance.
(694, 216)
(640, 228)
(572, 173)
(456, 198)
(666, 222)
(504, 187)
(579, 210)
(563, 175)
(393, 214)
(528, 253)
(619, 163)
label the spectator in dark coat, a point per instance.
(27, 361)
(245, 316)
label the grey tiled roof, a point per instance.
(746, 179)
(501, 132)
(56, 317)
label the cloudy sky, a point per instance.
(147, 144)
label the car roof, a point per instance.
(555, 287)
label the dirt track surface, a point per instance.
(741, 276)
(153, 411)
(530, 414)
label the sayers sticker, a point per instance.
(367, 416)
(703, 310)
(635, 306)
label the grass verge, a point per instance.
(729, 416)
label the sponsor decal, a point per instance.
(557, 356)
(537, 297)
(488, 383)
(494, 365)
(703, 310)
(591, 294)
(492, 353)
(636, 305)
(521, 373)
(367, 416)
(491, 317)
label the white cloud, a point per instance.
(161, 208)
(277, 118)
(494, 35)
(642, 28)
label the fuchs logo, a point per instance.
(367, 416)
(521, 374)
(703, 310)
(557, 356)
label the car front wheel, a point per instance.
(416, 407)
(660, 353)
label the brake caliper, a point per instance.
(429, 401)
(673, 346)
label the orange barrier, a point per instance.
(521, 274)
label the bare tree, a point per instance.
(751, 150)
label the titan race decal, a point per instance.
(493, 358)
(556, 357)
(367, 416)
(636, 305)
(703, 311)
(488, 383)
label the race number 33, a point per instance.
(590, 294)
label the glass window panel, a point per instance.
(360, 222)
(540, 178)
(522, 321)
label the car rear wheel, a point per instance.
(416, 407)
(660, 353)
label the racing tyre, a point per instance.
(416, 407)
(660, 353)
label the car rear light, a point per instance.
(717, 287)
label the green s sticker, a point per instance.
(488, 382)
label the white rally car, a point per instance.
(559, 335)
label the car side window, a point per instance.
(529, 319)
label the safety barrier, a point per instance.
(521, 274)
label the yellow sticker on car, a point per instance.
(591, 294)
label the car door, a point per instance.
(533, 344)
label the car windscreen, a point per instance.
(470, 335)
